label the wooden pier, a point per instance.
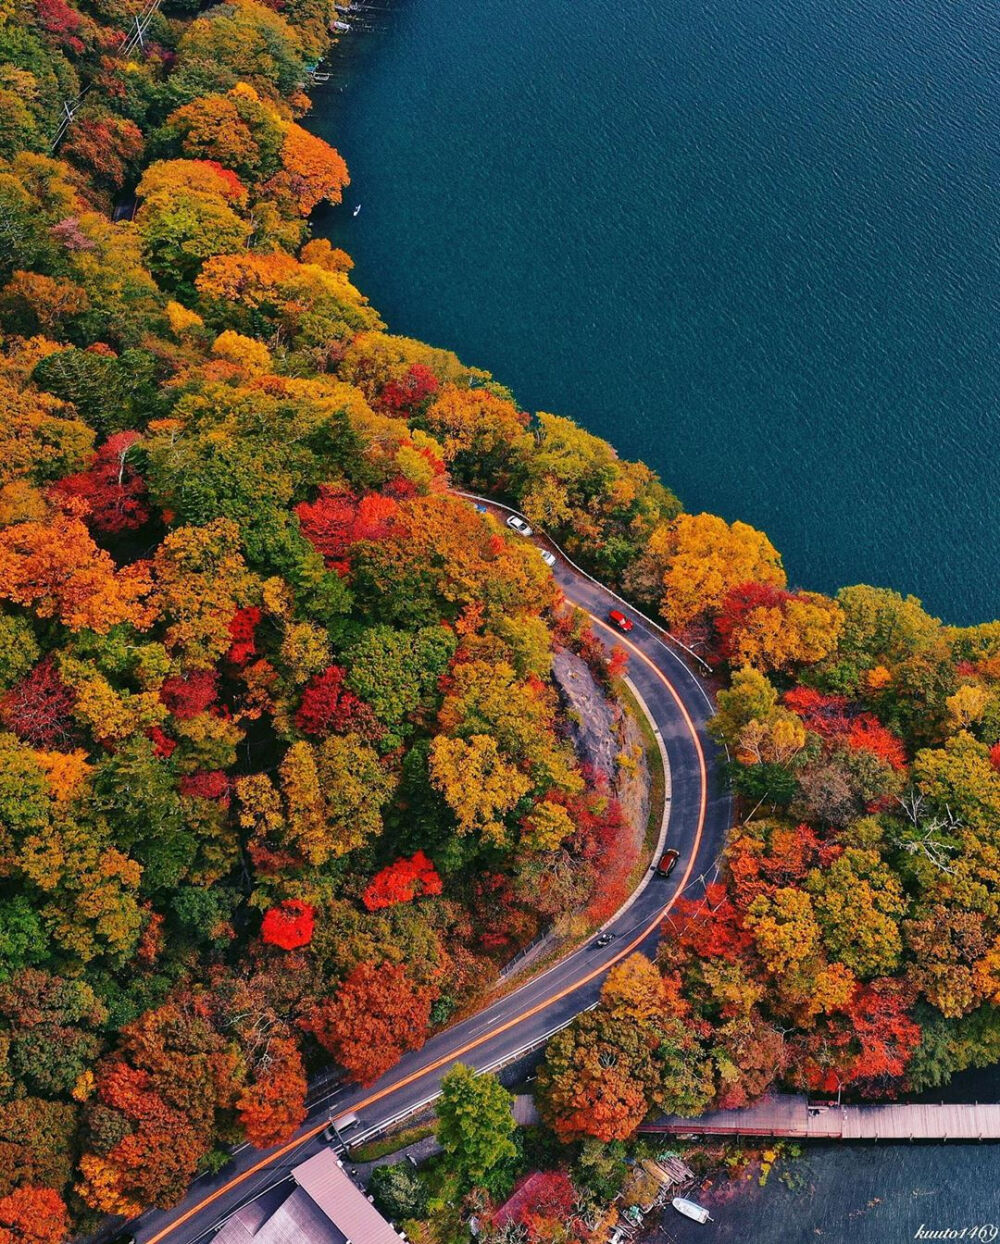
(793, 1116)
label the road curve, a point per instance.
(699, 819)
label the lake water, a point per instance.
(855, 1194)
(754, 244)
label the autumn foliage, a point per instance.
(114, 492)
(289, 925)
(338, 520)
(402, 882)
(32, 1216)
(188, 695)
(39, 708)
(284, 770)
(542, 1200)
(411, 392)
(834, 719)
(377, 1014)
(329, 707)
(311, 170)
(56, 569)
(273, 1106)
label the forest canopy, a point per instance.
(284, 776)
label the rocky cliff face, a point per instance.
(605, 738)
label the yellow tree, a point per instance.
(39, 439)
(307, 831)
(49, 300)
(547, 826)
(775, 630)
(784, 928)
(751, 723)
(93, 907)
(202, 580)
(252, 357)
(705, 557)
(334, 796)
(633, 990)
(479, 786)
(486, 697)
(859, 903)
(480, 434)
(967, 706)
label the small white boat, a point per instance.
(356, 210)
(691, 1210)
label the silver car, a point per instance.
(548, 558)
(518, 525)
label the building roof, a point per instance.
(342, 1201)
(327, 1207)
(243, 1225)
(299, 1219)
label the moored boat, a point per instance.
(691, 1210)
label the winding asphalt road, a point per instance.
(699, 815)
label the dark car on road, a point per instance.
(604, 940)
(668, 862)
(617, 618)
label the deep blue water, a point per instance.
(853, 1194)
(754, 244)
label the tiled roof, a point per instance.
(342, 1201)
(327, 1207)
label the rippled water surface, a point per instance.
(854, 1194)
(755, 244)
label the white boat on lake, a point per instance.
(691, 1210)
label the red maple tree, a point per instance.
(328, 707)
(62, 21)
(338, 519)
(273, 1106)
(402, 882)
(410, 393)
(289, 925)
(825, 715)
(115, 493)
(867, 734)
(739, 603)
(243, 631)
(38, 708)
(708, 927)
(163, 745)
(376, 1016)
(187, 695)
(539, 1199)
(210, 784)
(33, 1216)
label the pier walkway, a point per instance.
(788, 1115)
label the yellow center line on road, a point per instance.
(443, 1061)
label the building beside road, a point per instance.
(325, 1207)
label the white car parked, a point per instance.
(548, 558)
(518, 525)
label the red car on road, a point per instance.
(617, 618)
(668, 862)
